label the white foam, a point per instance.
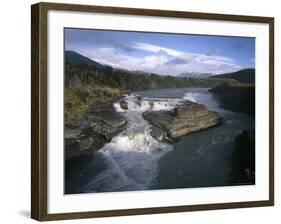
(132, 156)
(193, 97)
(205, 99)
(139, 104)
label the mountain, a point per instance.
(88, 82)
(245, 75)
(75, 58)
(194, 75)
(78, 59)
(80, 71)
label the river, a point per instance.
(134, 160)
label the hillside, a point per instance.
(245, 76)
(236, 96)
(73, 57)
(195, 75)
(238, 93)
(88, 82)
(80, 70)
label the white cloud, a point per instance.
(155, 49)
(164, 61)
(105, 52)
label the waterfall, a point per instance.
(132, 156)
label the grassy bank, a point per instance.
(79, 101)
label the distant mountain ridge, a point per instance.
(81, 71)
(245, 75)
(195, 75)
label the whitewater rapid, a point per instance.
(131, 157)
(134, 160)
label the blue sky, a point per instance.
(165, 54)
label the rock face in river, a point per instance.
(236, 96)
(124, 104)
(244, 158)
(89, 134)
(183, 120)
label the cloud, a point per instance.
(212, 51)
(155, 49)
(105, 52)
(112, 57)
(176, 61)
(162, 60)
(114, 43)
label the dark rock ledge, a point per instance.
(185, 119)
(236, 96)
(89, 134)
(244, 158)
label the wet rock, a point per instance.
(71, 133)
(236, 96)
(104, 106)
(158, 134)
(103, 129)
(124, 104)
(107, 124)
(185, 119)
(92, 132)
(244, 158)
(108, 117)
(85, 144)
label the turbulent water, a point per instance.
(134, 160)
(131, 157)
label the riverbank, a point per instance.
(135, 158)
(88, 130)
(236, 96)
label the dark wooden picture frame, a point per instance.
(39, 149)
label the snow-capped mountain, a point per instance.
(195, 75)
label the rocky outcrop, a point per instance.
(244, 158)
(90, 133)
(236, 96)
(159, 134)
(185, 119)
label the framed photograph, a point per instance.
(139, 111)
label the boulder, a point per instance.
(124, 104)
(244, 158)
(185, 119)
(71, 133)
(158, 134)
(85, 143)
